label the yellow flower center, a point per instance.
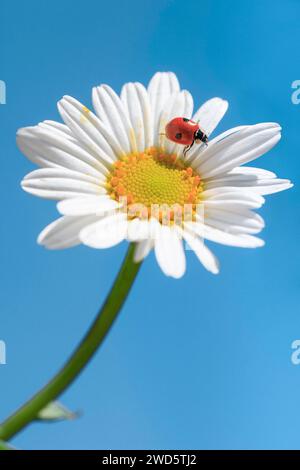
(154, 178)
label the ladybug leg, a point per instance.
(205, 144)
(187, 148)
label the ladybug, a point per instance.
(186, 132)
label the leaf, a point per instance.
(55, 411)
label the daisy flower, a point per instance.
(117, 177)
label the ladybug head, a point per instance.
(201, 137)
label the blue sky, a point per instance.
(199, 363)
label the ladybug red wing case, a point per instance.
(181, 130)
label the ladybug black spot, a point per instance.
(178, 135)
(185, 119)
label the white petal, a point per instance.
(60, 129)
(106, 232)
(220, 236)
(253, 179)
(48, 147)
(169, 252)
(233, 220)
(199, 153)
(252, 171)
(205, 256)
(161, 87)
(59, 183)
(230, 205)
(90, 130)
(229, 195)
(113, 114)
(238, 148)
(87, 205)
(142, 249)
(179, 104)
(210, 114)
(136, 101)
(63, 232)
(138, 230)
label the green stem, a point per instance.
(5, 446)
(81, 356)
